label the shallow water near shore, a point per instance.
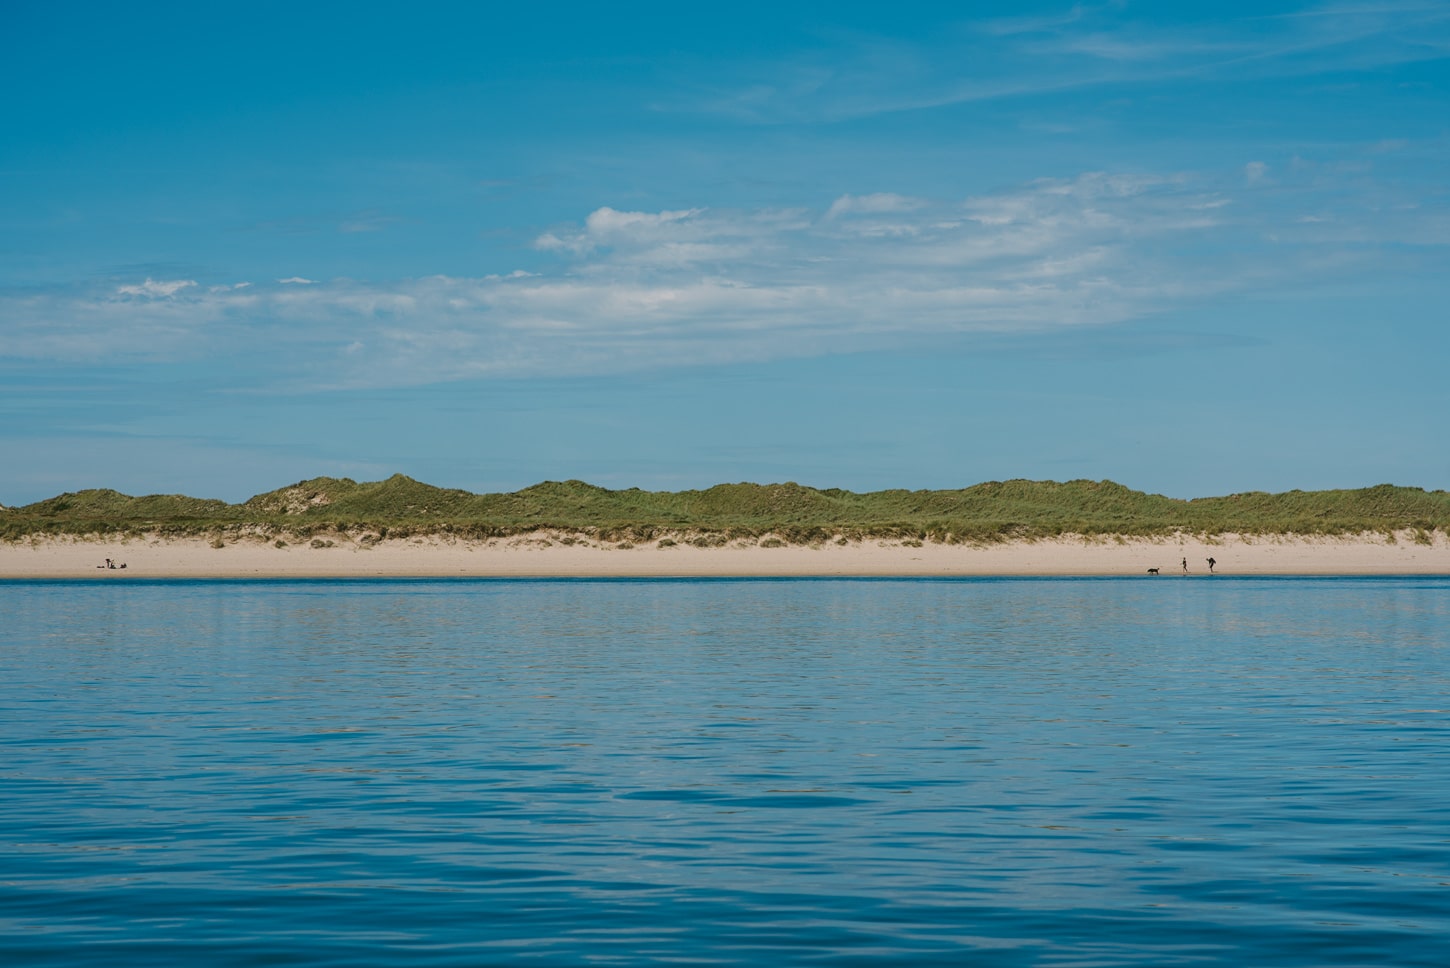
(989, 772)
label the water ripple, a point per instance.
(985, 772)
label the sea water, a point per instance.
(1209, 771)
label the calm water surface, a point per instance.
(813, 772)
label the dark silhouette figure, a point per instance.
(1211, 563)
(1185, 566)
(1152, 571)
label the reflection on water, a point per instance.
(987, 772)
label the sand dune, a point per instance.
(552, 554)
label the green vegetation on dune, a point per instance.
(993, 511)
(105, 504)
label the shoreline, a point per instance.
(549, 554)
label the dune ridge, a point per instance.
(987, 512)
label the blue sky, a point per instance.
(1194, 248)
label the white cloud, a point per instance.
(549, 242)
(152, 289)
(607, 226)
(647, 289)
(605, 222)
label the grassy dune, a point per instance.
(995, 511)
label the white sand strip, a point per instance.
(543, 554)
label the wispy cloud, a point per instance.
(877, 203)
(633, 290)
(350, 223)
(1084, 46)
(1007, 26)
(152, 289)
(369, 221)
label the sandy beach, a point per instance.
(549, 554)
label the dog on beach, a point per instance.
(1152, 571)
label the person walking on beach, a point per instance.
(1185, 566)
(1211, 563)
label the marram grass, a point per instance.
(990, 512)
